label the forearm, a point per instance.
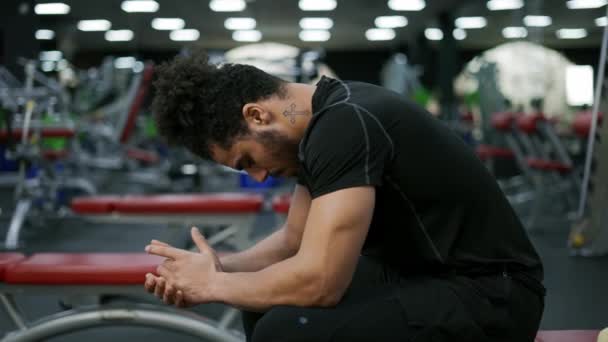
(284, 283)
(274, 248)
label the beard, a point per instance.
(281, 148)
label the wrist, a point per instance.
(217, 287)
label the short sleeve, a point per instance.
(347, 147)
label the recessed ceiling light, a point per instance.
(601, 21)
(459, 34)
(144, 6)
(500, 5)
(94, 25)
(571, 33)
(514, 32)
(582, 4)
(124, 62)
(185, 35)
(316, 23)
(314, 35)
(168, 24)
(470, 22)
(52, 55)
(537, 20)
(52, 8)
(119, 35)
(227, 5)
(433, 34)
(240, 23)
(390, 21)
(47, 66)
(317, 5)
(247, 36)
(406, 5)
(45, 34)
(374, 34)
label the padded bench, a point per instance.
(90, 270)
(236, 211)
(94, 274)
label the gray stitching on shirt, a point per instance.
(433, 247)
(367, 149)
(388, 137)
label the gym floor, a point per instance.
(576, 286)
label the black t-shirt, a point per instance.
(437, 208)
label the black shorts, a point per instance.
(382, 305)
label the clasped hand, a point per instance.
(185, 278)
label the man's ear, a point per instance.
(256, 114)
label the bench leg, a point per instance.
(12, 310)
(12, 237)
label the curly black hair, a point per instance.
(198, 104)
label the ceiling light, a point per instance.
(470, 22)
(94, 25)
(45, 34)
(317, 5)
(459, 34)
(227, 5)
(168, 23)
(537, 20)
(433, 34)
(380, 34)
(601, 21)
(47, 66)
(406, 5)
(124, 62)
(314, 35)
(500, 5)
(52, 8)
(138, 66)
(247, 36)
(391, 21)
(53, 55)
(133, 6)
(571, 33)
(316, 23)
(513, 32)
(240, 23)
(119, 35)
(582, 4)
(185, 35)
(62, 65)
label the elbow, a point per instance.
(323, 292)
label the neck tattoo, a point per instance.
(291, 113)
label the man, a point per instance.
(396, 231)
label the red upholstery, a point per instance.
(54, 132)
(502, 121)
(142, 155)
(548, 165)
(485, 152)
(137, 103)
(527, 123)
(169, 204)
(582, 123)
(83, 269)
(280, 204)
(467, 117)
(7, 260)
(94, 205)
(567, 336)
(55, 155)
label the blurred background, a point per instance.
(82, 169)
